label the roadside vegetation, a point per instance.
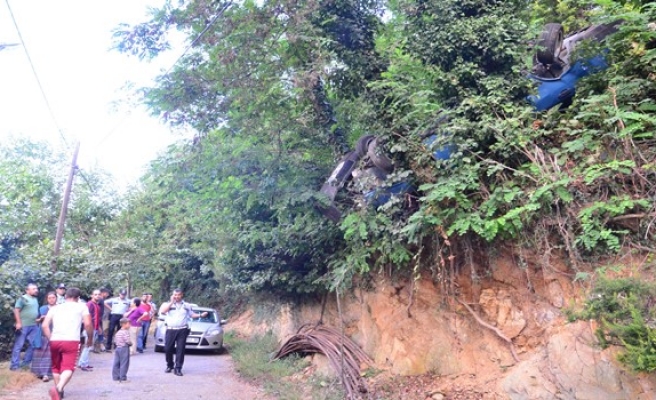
(277, 92)
(285, 379)
(15, 380)
(624, 308)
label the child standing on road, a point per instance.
(122, 353)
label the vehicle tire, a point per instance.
(379, 159)
(550, 41)
(159, 349)
(362, 145)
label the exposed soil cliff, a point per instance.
(503, 335)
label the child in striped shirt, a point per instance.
(122, 352)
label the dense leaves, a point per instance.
(31, 189)
(277, 93)
(276, 89)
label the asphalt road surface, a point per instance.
(206, 376)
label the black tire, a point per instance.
(379, 159)
(362, 145)
(550, 41)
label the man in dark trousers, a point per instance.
(177, 314)
(116, 306)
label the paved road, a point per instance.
(206, 376)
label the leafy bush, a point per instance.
(252, 360)
(625, 311)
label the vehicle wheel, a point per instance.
(550, 41)
(159, 349)
(379, 159)
(362, 145)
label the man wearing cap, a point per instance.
(117, 306)
(61, 291)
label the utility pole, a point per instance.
(64, 210)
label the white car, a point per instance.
(206, 333)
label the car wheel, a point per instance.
(362, 146)
(379, 159)
(550, 41)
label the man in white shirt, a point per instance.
(177, 316)
(64, 338)
(116, 306)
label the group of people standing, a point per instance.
(61, 334)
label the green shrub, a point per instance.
(252, 359)
(624, 309)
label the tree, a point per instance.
(30, 201)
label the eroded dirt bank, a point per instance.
(460, 346)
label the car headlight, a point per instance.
(212, 332)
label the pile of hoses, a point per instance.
(344, 356)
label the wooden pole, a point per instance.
(64, 210)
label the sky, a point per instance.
(84, 83)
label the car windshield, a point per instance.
(210, 317)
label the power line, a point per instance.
(36, 76)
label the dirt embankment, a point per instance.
(206, 376)
(496, 331)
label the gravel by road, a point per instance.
(206, 376)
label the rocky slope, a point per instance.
(503, 335)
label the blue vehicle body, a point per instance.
(380, 196)
(441, 153)
(554, 68)
(557, 85)
(552, 92)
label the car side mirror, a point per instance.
(223, 321)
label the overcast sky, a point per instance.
(68, 42)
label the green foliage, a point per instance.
(624, 308)
(252, 357)
(277, 92)
(252, 360)
(594, 220)
(30, 200)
